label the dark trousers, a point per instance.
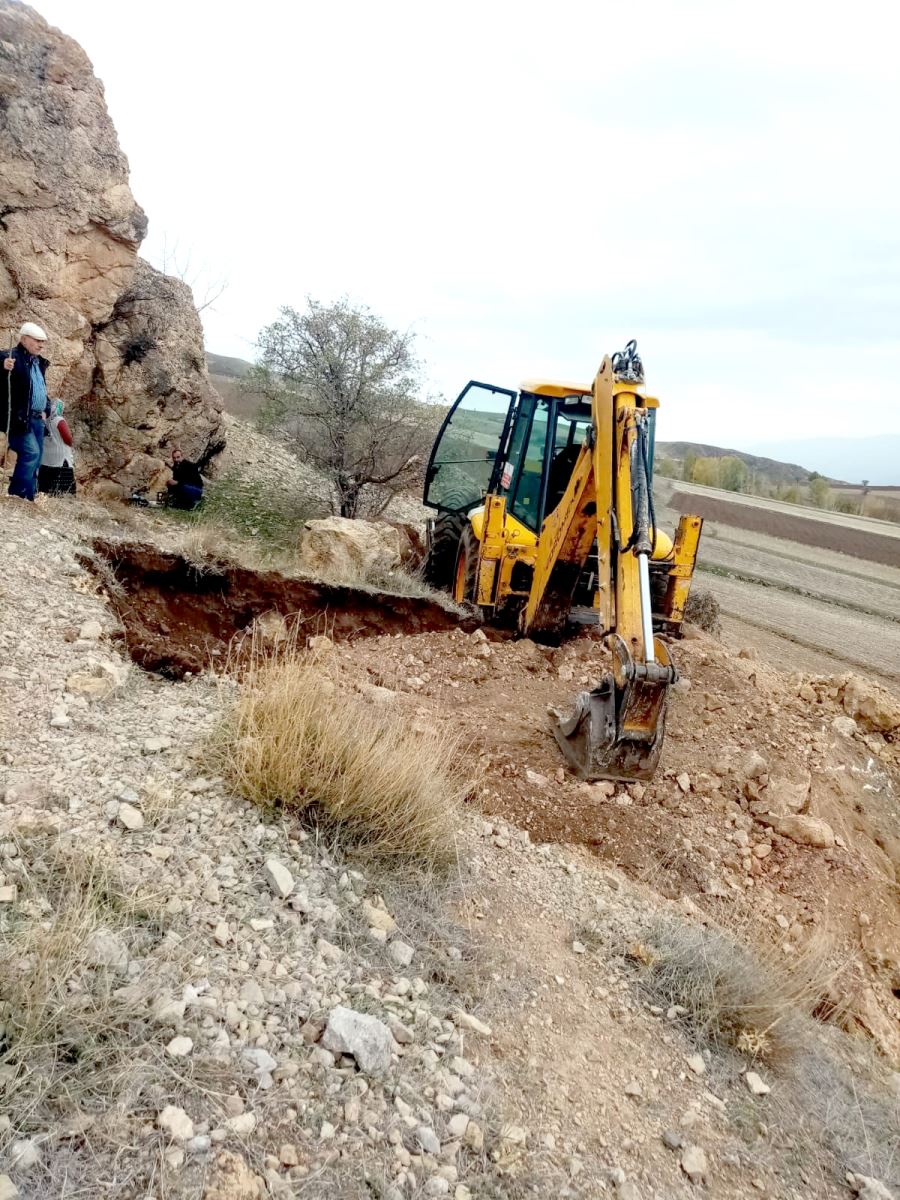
(185, 495)
(29, 446)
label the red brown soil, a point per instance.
(859, 543)
(179, 617)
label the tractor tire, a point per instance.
(465, 572)
(440, 562)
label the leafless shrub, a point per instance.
(748, 1000)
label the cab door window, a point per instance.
(467, 452)
(525, 498)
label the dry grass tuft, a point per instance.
(65, 1016)
(298, 739)
(750, 1000)
(703, 611)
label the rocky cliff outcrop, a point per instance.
(125, 344)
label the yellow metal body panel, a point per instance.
(687, 541)
(545, 387)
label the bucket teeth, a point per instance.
(601, 739)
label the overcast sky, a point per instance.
(528, 186)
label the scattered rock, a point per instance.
(755, 1084)
(279, 878)
(693, 1163)
(8, 1190)
(467, 1021)
(361, 1035)
(400, 953)
(868, 1188)
(805, 830)
(428, 1140)
(156, 745)
(103, 948)
(697, 1064)
(845, 727)
(180, 1047)
(176, 1123)
(130, 817)
(873, 706)
(24, 1154)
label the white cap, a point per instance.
(29, 329)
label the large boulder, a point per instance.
(336, 548)
(126, 346)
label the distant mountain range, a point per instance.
(771, 469)
(876, 458)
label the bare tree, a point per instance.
(206, 288)
(342, 388)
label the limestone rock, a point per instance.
(868, 1188)
(693, 1163)
(232, 1179)
(176, 1123)
(104, 948)
(755, 1084)
(873, 707)
(365, 1037)
(8, 1190)
(805, 830)
(339, 549)
(279, 878)
(129, 817)
(125, 343)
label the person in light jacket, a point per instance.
(57, 471)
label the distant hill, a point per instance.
(876, 458)
(226, 374)
(227, 368)
(769, 468)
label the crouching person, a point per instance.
(57, 470)
(186, 485)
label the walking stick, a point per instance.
(8, 402)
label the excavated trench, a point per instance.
(179, 616)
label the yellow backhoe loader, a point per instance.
(544, 519)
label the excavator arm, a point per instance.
(616, 730)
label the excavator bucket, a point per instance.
(617, 730)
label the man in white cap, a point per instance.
(24, 407)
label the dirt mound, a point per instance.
(769, 800)
(181, 616)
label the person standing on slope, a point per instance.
(24, 407)
(57, 472)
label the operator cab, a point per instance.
(522, 445)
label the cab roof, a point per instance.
(549, 387)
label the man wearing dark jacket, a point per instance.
(24, 407)
(186, 485)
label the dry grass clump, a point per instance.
(703, 610)
(300, 741)
(750, 1000)
(66, 1020)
